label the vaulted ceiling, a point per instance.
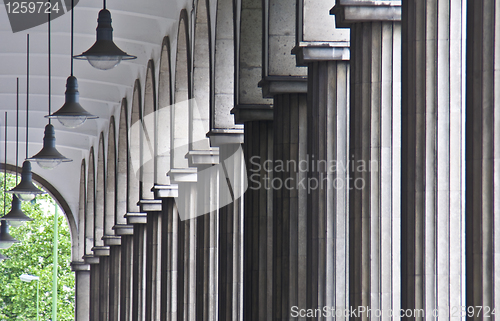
(139, 28)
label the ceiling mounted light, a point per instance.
(49, 157)
(72, 114)
(15, 217)
(6, 240)
(104, 54)
(25, 190)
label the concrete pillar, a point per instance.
(114, 243)
(375, 152)
(82, 286)
(153, 267)
(127, 277)
(432, 168)
(258, 219)
(483, 157)
(324, 49)
(138, 259)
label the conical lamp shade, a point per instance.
(104, 54)
(6, 240)
(49, 157)
(72, 114)
(26, 190)
(3, 257)
(16, 217)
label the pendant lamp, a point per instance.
(15, 217)
(6, 240)
(72, 114)
(26, 190)
(104, 54)
(49, 157)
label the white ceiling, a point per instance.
(139, 28)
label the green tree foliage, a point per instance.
(33, 255)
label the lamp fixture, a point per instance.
(25, 190)
(15, 217)
(104, 54)
(48, 157)
(72, 114)
(6, 240)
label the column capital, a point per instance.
(100, 250)
(246, 113)
(123, 229)
(112, 240)
(351, 11)
(183, 175)
(136, 218)
(307, 52)
(225, 136)
(150, 205)
(165, 191)
(203, 157)
(91, 259)
(276, 85)
(78, 266)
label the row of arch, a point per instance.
(110, 184)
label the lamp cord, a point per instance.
(50, 87)
(104, 4)
(27, 89)
(17, 127)
(72, 31)
(5, 166)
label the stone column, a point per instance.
(483, 157)
(258, 212)
(324, 49)
(82, 286)
(114, 243)
(432, 167)
(138, 269)
(126, 267)
(375, 152)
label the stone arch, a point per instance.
(100, 191)
(200, 109)
(149, 137)
(122, 166)
(134, 179)
(76, 221)
(90, 205)
(223, 89)
(180, 112)
(162, 160)
(109, 218)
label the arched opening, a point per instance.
(90, 207)
(163, 138)
(34, 255)
(122, 164)
(99, 196)
(109, 219)
(200, 107)
(134, 153)
(148, 137)
(81, 217)
(180, 112)
(223, 100)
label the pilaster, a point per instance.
(432, 154)
(483, 156)
(374, 153)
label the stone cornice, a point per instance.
(80, 266)
(183, 175)
(136, 218)
(351, 11)
(112, 240)
(246, 113)
(225, 136)
(148, 205)
(203, 157)
(165, 191)
(306, 52)
(276, 85)
(123, 229)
